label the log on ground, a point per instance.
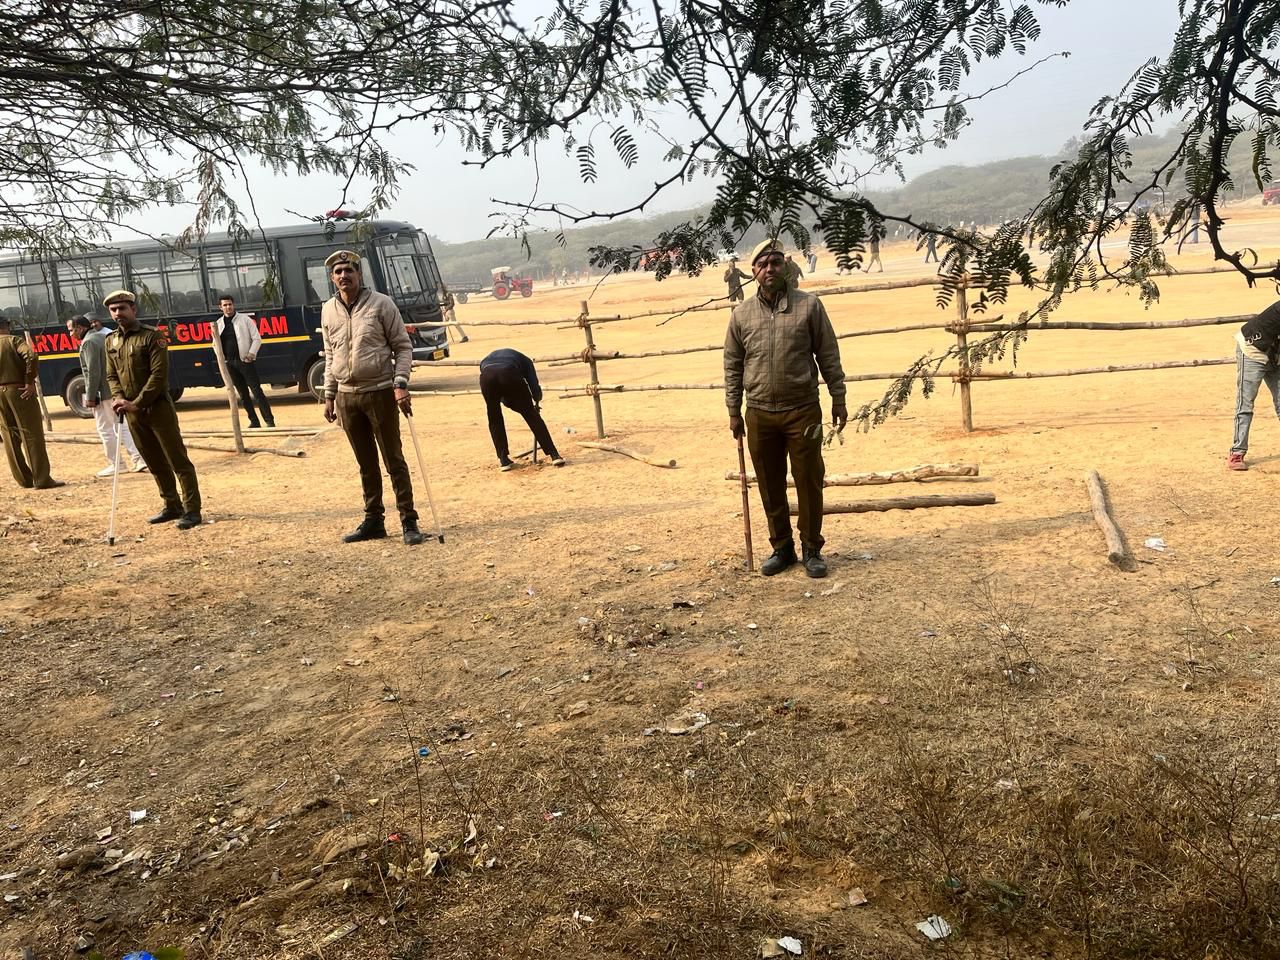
(907, 503)
(1117, 553)
(611, 448)
(925, 471)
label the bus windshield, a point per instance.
(407, 275)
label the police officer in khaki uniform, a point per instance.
(138, 376)
(367, 361)
(20, 424)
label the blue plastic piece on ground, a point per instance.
(138, 955)
(424, 751)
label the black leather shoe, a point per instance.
(779, 560)
(814, 565)
(189, 520)
(368, 530)
(412, 535)
(165, 515)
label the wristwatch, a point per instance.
(401, 383)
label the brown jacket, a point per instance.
(773, 355)
(17, 360)
(138, 366)
(366, 345)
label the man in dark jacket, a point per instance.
(508, 378)
(776, 345)
(1257, 362)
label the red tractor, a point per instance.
(504, 284)
(1271, 195)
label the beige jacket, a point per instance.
(773, 355)
(366, 345)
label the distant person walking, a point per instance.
(875, 251)
(97, 397)
(21, 426)
(930, 247)
(1257, 362)
(138, 377)
(447, 311)
(813, 263)
(776, 345)
(367, 361)
(241, 341)
(509, 379)
(734, 277)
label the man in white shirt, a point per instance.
(93, 364)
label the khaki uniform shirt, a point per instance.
(138, 365)
(772, 355)
(366, 345)
(17, 360)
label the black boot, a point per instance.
(165, 515)
(814, 565)
(412, 535)
(369, 529)
(779, 560)
(189, 520)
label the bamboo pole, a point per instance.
(925, 471)
(1116, 551)
(962, 348)
(664, 464)
(451, 362)
(191, 446)
(226, 381)
(44, 407)
(446, 393)
(595, 373)
(1111, 368)
(907, 503)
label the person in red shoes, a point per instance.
(1257, 362)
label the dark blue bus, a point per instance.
(178, 290)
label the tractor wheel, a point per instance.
(501, 291)
(526, 289)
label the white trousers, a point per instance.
(106, 423)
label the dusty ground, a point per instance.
(975, 716)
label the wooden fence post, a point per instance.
(962, 344)
(226, 380)
(595, 376)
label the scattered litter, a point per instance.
(834, 589)
(1275, 581)
(665, 567)
(633, 548)
(11, 898)
(472, 832)
(857, 898)
(865, 556)
(529, 590)
(6, 877)
(688, 722)
(307, 662)
(582, 917)
(780, 947)
(504, 671)
(350, 662)
(1006, 784)
(570, 430)
(688, 604)
(104, 833)
(23, 761)
(489, 566)
(424, 751)
(339, 933)
(752, 626)
(1155, 543)
(552, 815)
(137, 816)
(1170, 669)
(84, 944)
(577, 709)
(934, 927)
(926, 634)
(791, 945)
(697, 685)
(586, 622)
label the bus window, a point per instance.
(184, 291)
(147, 283)
(319, 286)
(244, 274)
(405, 280)
(83, 283)
(24, 296)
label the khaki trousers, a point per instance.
(772, 438)
(159, 439)
(21, 428)
(371, 422)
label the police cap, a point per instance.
(119, 296)
(763, 247)
(342, 256)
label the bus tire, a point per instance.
(175, 393)
(73, 397)
(315, 378)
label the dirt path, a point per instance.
(974, 716)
